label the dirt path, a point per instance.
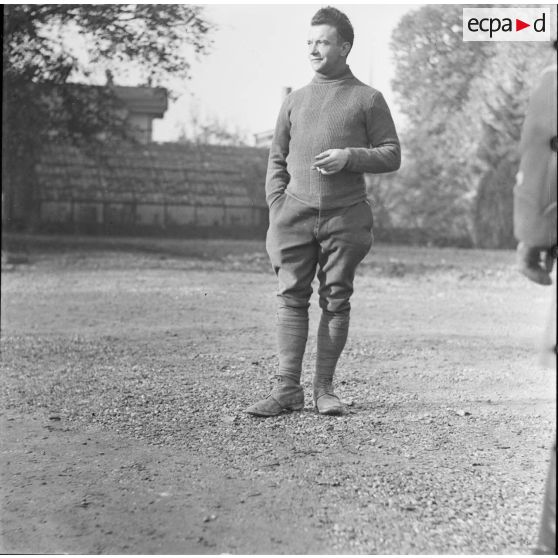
(125, 376)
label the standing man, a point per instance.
(327, 135)
(535, 218)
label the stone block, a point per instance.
(181, 215)
(86, 212)
(240, 216)
(210, 216)
(150, 214)
(56, 211)
(119, 214)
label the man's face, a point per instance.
(327, 51)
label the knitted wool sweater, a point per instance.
(331, 112)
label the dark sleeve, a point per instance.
(277, 176)
(384, 153)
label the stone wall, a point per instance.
(159, 188)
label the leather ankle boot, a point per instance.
(287, 395)
(326, 402)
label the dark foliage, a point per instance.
(465, 103)
(40, 105)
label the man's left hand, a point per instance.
(535, 263)
(331, 161)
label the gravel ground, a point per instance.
(127, 369)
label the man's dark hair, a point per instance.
(334, 17)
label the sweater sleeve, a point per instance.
(277, 177)
(384, 153)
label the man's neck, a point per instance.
(334, 75)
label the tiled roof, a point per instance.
(156, 173)
(145, 100)
(151, 101)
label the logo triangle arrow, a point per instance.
(519, 25)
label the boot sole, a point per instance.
(338, 411)
(332, 411)
(297, 407)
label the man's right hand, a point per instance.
(535, 263)
(331, 161)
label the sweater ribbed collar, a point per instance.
(341, 76)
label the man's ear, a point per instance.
(346, 48)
